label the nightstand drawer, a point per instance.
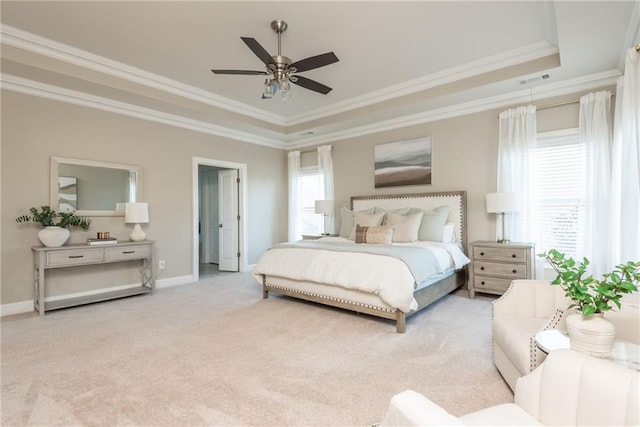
(500, 254)
(491, 283)
(73, 257)
(515, 271)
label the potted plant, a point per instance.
(55, 232)
(588, 330)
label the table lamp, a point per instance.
(502, 204)
(136, 213)
(324, 207)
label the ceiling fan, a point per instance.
(281, 69)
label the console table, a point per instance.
(45, 258)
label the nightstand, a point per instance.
(495, 265)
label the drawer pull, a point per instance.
(514, 271)
(481, 253)
(513, 255)
(482, 268)
(76, 256)
(133, 252)
(482, 283)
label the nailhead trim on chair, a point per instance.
(493, 344)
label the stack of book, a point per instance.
(107, 241)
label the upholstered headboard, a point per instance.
(456, 200)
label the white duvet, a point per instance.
(386, 276)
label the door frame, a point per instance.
(242, 210)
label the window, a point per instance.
(558, 191)
(311, 189)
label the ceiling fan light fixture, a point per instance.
(280, 69)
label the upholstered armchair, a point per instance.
(527, 307)
(569, 388)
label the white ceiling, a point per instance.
(400, 62)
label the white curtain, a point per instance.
(325, 167)
(517, 136)
(595, 132)
(294, 194)
(625, 197)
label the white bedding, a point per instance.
(385, 276)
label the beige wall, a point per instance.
(34, 129)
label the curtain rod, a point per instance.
(312, 149)
(560, 104)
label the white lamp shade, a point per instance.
(136, 213)
(324, 207)
(502, 202)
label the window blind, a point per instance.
(558, 167)
(310, 190)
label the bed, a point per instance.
(392, 280)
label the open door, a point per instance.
(229, 258)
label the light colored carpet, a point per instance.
(216, 353)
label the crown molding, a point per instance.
(506, 59)
(595, 81)
(30, 87)
(46, 47)
(585, 83)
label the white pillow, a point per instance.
(406, 227)
(448, 234)
(368, 220)
(346, 224)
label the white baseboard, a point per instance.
(16, 308)
(27, 306)
(174, 281)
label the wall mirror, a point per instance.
(93, 188)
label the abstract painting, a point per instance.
(403, 163)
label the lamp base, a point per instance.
(137, 235)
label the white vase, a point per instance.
(53, 236)
(592, 334)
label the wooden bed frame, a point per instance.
(425, 296)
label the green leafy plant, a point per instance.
(588, 294)
(48, 217)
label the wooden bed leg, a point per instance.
(401, 325)
(265, 292)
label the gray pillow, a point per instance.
(346, 223)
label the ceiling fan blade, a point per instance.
(242, 72)
(311, 85)
(258, 50)
(315, 62)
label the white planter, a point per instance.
(592, 334)
(53, 237)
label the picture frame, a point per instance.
(403, 163)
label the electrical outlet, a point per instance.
(161, 264)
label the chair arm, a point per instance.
(410, 408)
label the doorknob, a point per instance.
(219, 225)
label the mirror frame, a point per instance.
(53, 193)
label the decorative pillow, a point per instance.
(433, 221)
(374, 235)
(369, 220)
(405, 227)
(347, 224)
(448, 234)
